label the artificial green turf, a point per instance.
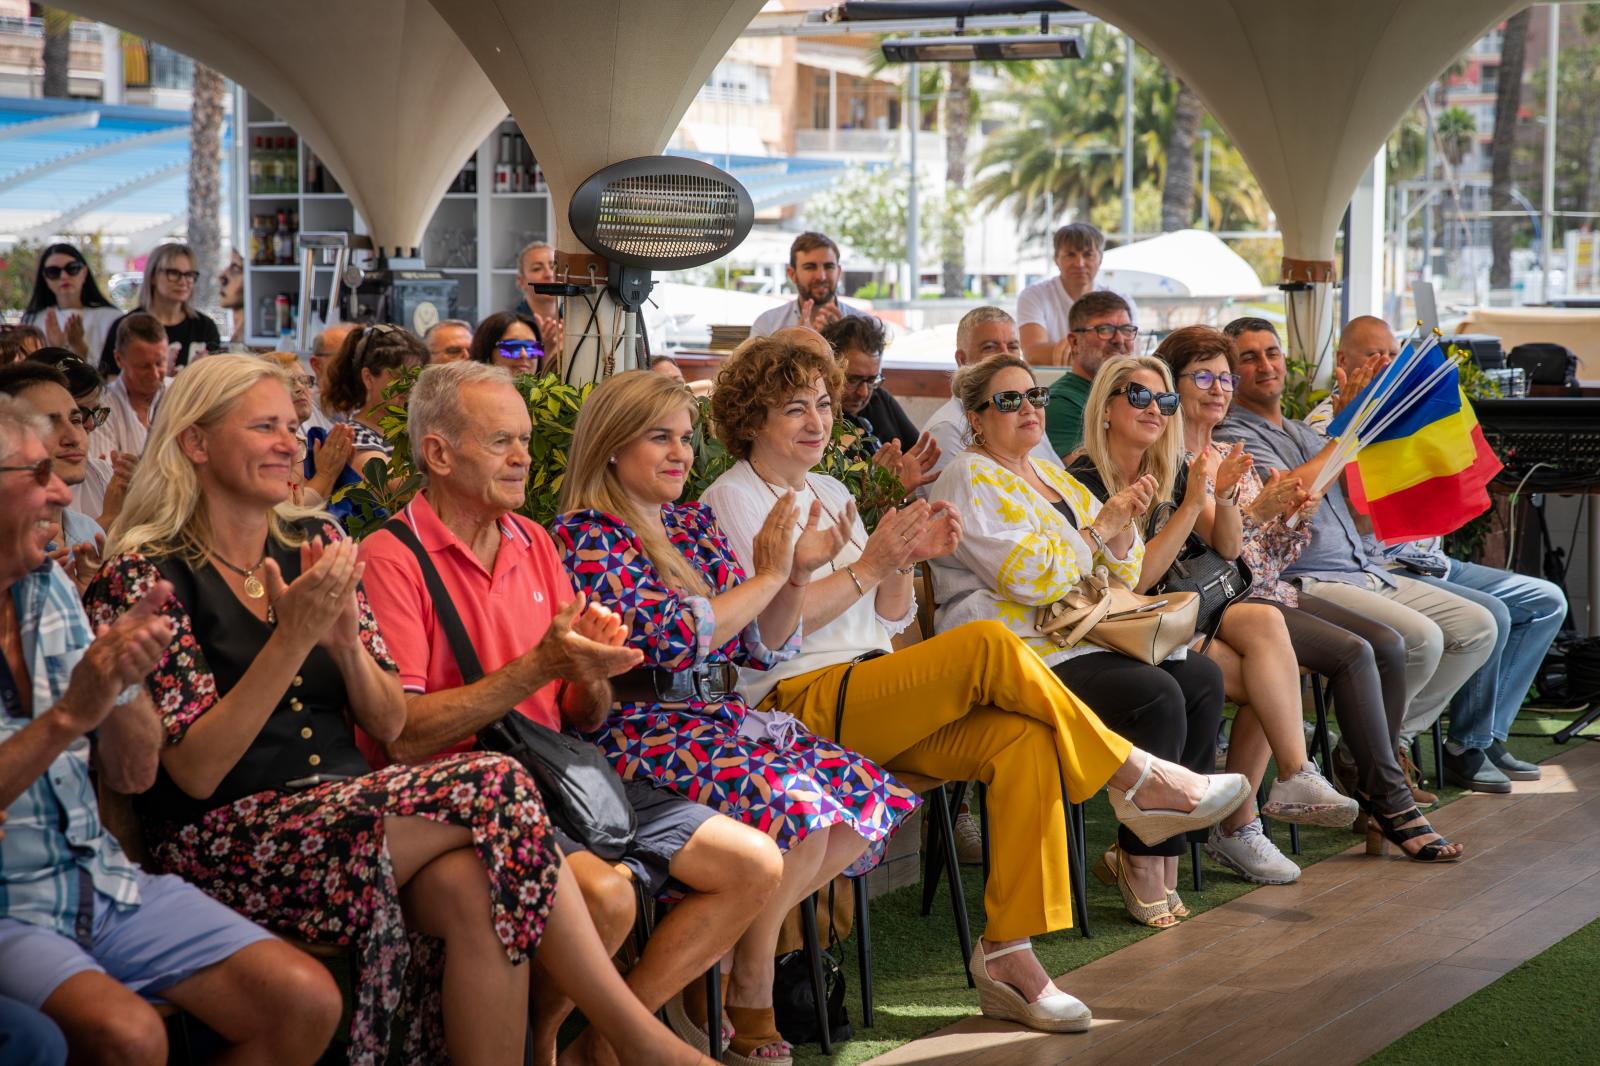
(919, 983)
(1542, 1013)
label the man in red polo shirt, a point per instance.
(548, 655)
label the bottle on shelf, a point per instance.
(282, 324)
(283, 240)
(261, 252)
(502, 165)
(291, 165)
(256, 162)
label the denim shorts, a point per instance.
(666, 822)
(175, 932)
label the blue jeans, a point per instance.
(1528, 613)
(28, 1038)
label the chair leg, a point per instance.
(1294, 838)
(1319, 700)
(1077, 877)
(819, 991)
(932, 848)
(983, 826)
(952, 869)
(1194, 860)
(1438, 754)
(714, 1009)
(864, 947)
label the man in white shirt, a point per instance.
(982, 332)
(1043, 306)
(132, 396)
(814, 272)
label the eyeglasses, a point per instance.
(519, 350)
(1010, 400)
(42, 471)
(178, 276)
(305, 382)
(1139, 398)
(91, 418)
(71, 270)
(1204, 379)
(857, 381)
(1105, 331)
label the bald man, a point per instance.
(1527, 611)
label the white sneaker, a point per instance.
(969, 840)
(1247, 852)
(1308, 799)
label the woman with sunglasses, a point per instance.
(1031, 531)
(1132, 428)
(1362, 658)
(169, 277)
(366, 362)
(67, 304)
(969, 703)
(510, 340)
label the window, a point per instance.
(1489, 80)
(894, 112)
(820, 118)
(738, 83)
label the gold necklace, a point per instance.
(798, 522)
(252, 584)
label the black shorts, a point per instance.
(666, 822)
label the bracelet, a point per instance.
(1231, 498)
(860, 588)
(906, 570)
(1099, 541)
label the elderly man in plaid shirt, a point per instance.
(86, 937)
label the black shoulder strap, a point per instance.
(443, 607)
(844, 689)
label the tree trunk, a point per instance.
(1177, 192)
(1507, 102)
(57, 52)
(957, 124)
(205, 181)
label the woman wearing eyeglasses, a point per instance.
(510, 340)
(169, 277)
(1362, 658)
(366, 362)
(1031, 531)
(67, 305)
(1132, 428)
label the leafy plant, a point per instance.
(1300, 393)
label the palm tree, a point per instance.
(1457, 132)
(1177, 186)
(957, 124)
(57, 51)
(1507, 102)
(205, 180)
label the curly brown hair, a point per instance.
(762, 373)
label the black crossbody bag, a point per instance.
(582, 795)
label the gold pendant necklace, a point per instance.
(252, 584)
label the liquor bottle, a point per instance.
(282, 240)
(255, 167)
(502, 165)
(260, 240)
(291, 167)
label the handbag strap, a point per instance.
(443, 607)
(844, 687)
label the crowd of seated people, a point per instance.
(294, 720)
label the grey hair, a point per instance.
(975, 318)
(531, 246)
(18, 421)
(443, 322)
(434, 403)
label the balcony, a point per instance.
(873, 144)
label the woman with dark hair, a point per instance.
(19, 342)
(67, 305)
(358, 374)
(510, 340)
(169, 277)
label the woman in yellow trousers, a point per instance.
(972, 703)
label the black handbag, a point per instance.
(583, 796)
(1201, 569)
(794, 1001)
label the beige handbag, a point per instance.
(1100, 610)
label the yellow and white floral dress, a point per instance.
(1018, 552)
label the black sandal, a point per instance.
(1386, 829)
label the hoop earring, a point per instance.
(977, 438)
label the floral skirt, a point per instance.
(785, 792)
(315, 865)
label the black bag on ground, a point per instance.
(582, 795)
(794, 1004)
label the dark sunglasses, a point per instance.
(71, 270)
(1010, 400)
(42, 471)
(1139, 398)
(1204, 379)
(91, 418)
(519, 349)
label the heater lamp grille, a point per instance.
(661, 212)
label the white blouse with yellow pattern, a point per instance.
(1017, 552)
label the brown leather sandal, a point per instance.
(757, 1031)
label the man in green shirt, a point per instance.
(1100, 327)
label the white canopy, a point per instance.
(385, 94)
(1188, 262)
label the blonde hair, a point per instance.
(165, 513)
(1161, 459)
(157, 262)
(620, 410)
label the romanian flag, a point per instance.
(1426, 472)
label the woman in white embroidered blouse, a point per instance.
(972, 703)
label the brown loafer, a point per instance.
(1422, 797)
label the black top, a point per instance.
(310, 720)
(197, 329)
(889, 420)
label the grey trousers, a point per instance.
(1364, 662)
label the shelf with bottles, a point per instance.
(273, 237)
(274, 163)
(516, 172)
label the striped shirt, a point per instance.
(56, 854)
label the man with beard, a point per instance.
(1099, 327)
(1042, 307)
(814, 272)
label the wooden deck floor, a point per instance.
(1331, 969)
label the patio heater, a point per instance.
(639, 215)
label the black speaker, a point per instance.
(1484, 348)
(1547, 364)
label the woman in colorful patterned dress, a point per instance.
(1363, 659)
(971, 703)
(263, 799)
(667, 569)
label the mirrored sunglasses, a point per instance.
(519, 350)
(1010, 400)
(1139, 398)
